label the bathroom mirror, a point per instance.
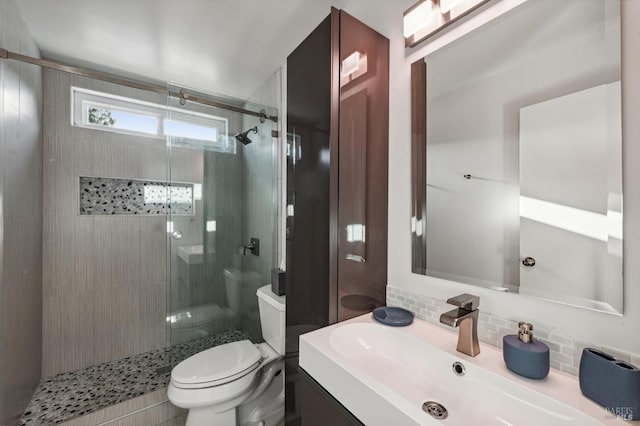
(517, 155)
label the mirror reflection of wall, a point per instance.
(523, 154)
(571, 195)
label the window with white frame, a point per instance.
(180, 128)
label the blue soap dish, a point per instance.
(393, 316)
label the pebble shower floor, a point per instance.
(67, 395)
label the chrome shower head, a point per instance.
(243, 137)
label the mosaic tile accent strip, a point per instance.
(109, 196)
(565, 351)
(68, 395)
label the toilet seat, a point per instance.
(217, 366)
(226, 392)
(217, 384)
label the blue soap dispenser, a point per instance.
(525, 356)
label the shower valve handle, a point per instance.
(253, 247)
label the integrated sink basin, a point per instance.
(413, 376)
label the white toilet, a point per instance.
(240, 382)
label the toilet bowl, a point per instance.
(240, 377)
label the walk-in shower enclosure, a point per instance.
(150, 206)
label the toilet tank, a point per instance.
(272, 318)
(236, 284)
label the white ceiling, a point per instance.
(226, 47)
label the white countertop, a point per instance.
(329, 366)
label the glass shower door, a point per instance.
(221, 229)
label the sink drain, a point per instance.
(458, 368)
(435, 410)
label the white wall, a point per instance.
(606, 329)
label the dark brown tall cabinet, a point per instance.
(337, 163)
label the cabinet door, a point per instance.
(319, 408)
(308, 231)
(363, 166)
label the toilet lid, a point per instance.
(217, 363)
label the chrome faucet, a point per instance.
(466, 318)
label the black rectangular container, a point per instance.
(278, 282)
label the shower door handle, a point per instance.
(176, 235)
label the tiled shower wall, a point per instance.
(104, 276)
(20, 218)
(565, 351)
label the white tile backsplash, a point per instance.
(565, 351)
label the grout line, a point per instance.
(133, 412)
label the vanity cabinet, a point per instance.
(319, 408)
(337, 172)
(362, 169)
(337, 167)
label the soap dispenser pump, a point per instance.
(524, 355)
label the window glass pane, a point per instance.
(122, 120)
(183, 129)
(187, 130)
